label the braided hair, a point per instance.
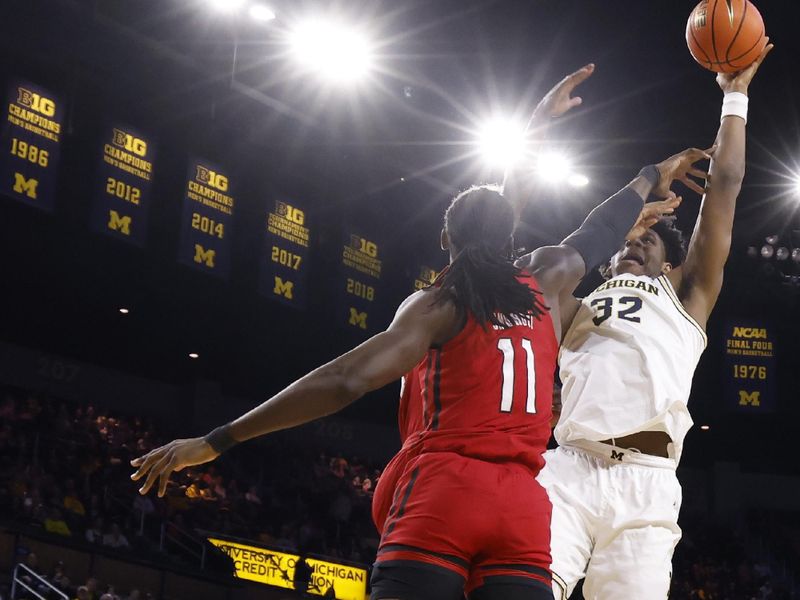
(482, 279)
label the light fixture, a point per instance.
(705, 427)
(752, 251)
(124, 311)
(261, 13)
(796, 255)
(782, 253)
(227, 6)
(337, 52)
(767, 251)
(194, 355)
(578, 180)
(501, 142)
(772, 239)
(553, 167)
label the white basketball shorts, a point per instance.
(615, 521)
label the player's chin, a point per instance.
(630, 267)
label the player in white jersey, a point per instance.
(627, 364)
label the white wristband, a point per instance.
(735, 104)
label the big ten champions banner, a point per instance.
(359, 282)
(269, 567)
(284, 267)
(751, 377)
(425, 276)
(207, 219)
(31, 143)
(122, 186)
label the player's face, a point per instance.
(645, 255)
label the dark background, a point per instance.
(387, 154)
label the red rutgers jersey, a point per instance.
(487, 393)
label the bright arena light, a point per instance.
(261, 13)
(336, 51)
(228, 6)
(501, 142)
(554, 167)
(194, 355)
(578, 180)
(124, 311)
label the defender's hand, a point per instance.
(558, 100)
(161, 462)
(651, 213)
(679, 167)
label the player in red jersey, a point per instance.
(481, 348)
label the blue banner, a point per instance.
(31, 140)
(207, 219)
(122, 186)
(750, 367)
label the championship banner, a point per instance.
(269, 567)
(284, 267)
(32, 141)
(360, 275)
(424, 278)
(122, 186)
(751, 377)
(207, 218)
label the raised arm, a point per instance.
(418, 324)
(699, 279)
(557, 102)
(559, 269)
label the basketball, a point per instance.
(725, 35)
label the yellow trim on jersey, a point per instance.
(674, 297)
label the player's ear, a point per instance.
(666, 268)
(445, 240)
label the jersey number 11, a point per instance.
(506, 346)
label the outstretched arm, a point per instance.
(559, 269)
(380, 360)
(557, 102)
(699, 279)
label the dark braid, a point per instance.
(482, 279)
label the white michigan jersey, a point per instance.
(627, 363)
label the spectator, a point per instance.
(55, 523)
(115, 538)
(94, 535)
(83, 593)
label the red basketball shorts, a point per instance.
(476, 518)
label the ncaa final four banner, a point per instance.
(283, 274)
(360, 276)
(207, 219)
(750, 366)
(122, 186)
(32, 141)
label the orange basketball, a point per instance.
(725, 35)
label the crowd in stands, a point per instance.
(711, 563)
(64, 469)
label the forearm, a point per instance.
(728, 164)
(320, 393)
(604, 230)
(518, 179)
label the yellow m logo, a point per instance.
(283, 288)
(25, 186)
(358, 319)
(203, 256)
(119, 223)
(749, 398)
